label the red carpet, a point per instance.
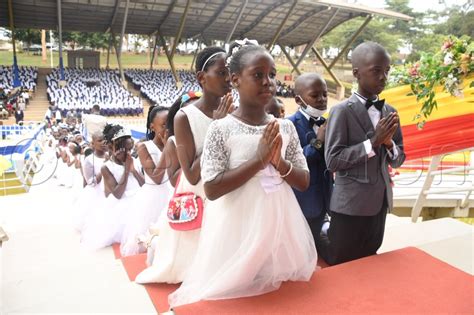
(116, 249)
(402, 282)
(158, 292)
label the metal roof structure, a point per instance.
(205, 19)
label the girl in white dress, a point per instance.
(121, 183)
(153, 197)
(254, 235)
(175, 250)
(93, 192)
(173, 169)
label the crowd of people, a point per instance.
(88, 87)
(13, 102)
(231, 201)
(159, 86)
(27, 75)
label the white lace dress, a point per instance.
(150, 201)
(175, 250)
(91, 195)
(255, 237)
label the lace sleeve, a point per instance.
(294, 151)
(215, 156)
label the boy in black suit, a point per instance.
(311, 96)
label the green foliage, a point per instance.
(460, 22)
(90, 40)
(447, 68)
(28, 36)
(338, 36)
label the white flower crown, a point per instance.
(240, 44)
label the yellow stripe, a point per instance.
(448, 105)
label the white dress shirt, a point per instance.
(315, 127)
(374, 115)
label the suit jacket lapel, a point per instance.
(385, 112)
(361, 114)
(304, 125)
(301, 121)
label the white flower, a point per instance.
(448, 59)
(458, 93)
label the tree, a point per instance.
(377, 30)
(460, 22)
(27, 36)
(91, 40)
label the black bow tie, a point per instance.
(316, 121)
(377, 104)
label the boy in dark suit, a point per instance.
(311, 96)
(363, 138)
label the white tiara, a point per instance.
(124, 132)
(240, 44)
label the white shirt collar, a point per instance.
(363, 99)
(304, 114)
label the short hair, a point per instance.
(364, 51)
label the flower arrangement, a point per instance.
(446, 68)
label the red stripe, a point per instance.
(439, 136)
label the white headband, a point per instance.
(210, 57)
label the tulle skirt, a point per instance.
(173, 251)
(86, 203)
(251, 241)
(149, 203)
(105, 226)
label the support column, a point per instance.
(119, 52)
(237, 21)
(44, 53)
(351, 40)
(180, 29)
(51, 47)
(280, 28)
(310, 45)
(170, 60)
(340, 90)
(108, 50)
(195, 55)
(290, 60)
(155, 42)
(15, 70)
(62, 81)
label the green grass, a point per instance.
(129, 60)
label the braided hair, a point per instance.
(152, 112)
(110, 130)
(235, 58)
